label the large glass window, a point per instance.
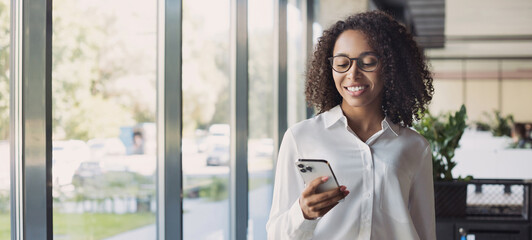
(260, 143)
(296, 60)
(5, 222)
(104, 100)
(206, 115)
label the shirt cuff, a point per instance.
(299, 221)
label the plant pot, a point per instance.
(450, 199)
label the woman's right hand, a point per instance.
(314, 205)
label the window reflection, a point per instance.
(206, 113)
(260, 143)
(103, 156)
(296, 63)
(5, 208)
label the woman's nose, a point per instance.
(353, 71)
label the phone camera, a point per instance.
(309, 169)
(300, 165)
(303, 170)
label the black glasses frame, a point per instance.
(360, 64)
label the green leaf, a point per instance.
(443, 133)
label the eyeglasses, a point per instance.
(366, 61)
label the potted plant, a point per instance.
(444, 134)
(501, 125)
(497, 124)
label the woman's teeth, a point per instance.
(356, 89)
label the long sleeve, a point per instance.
(286, 219)
(422, 199)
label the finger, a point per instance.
(312, 186)
(324, 196)
(329, 202)
(326, 210)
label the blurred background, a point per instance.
(104, 102)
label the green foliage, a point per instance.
(482, 126)
(496, 123)
(4, 201)
(261, 75)
(110, 185)
(444, 134)
(526, 145)
(5, 225)
(217, 190)
(205, 70)
(501, 125)
(4, 69)
(97, 225)
(89, 97)
(95, 60)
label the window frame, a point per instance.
(31, 116)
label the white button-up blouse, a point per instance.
(389, 178)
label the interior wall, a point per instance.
(447, 96)
(516, 99)
(481, 96)
(483, 86)
(331, 11)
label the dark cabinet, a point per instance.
(483, 230)
(495, 210)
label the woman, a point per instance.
(369, 81)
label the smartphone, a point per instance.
(310, 169)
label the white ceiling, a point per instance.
(488, 17)
(470, 18)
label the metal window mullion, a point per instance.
(16, 126)
(308, 20)
(169, 120)
(31, 139)
(280, 82)
(239, 120)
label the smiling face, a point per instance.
(359, 89)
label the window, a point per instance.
(104, 79)
(104, 105)
(296, 63)
(5, 219)
(260, 143)
(206, 115)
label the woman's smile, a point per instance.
(356, 90)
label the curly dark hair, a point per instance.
(407, 80)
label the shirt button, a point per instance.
(368, 195)
(368, 167)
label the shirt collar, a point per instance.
(388, 124)
(333, 115)
(336, 114)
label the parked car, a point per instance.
(218, 155)
(218, 135)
